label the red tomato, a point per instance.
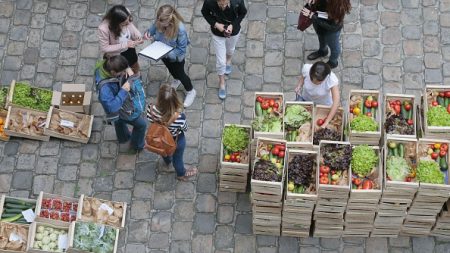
(275, 151)
(398, 102)
(323, 180)
(407, 107)
(281, 147)
(441, 94)
(259, 99)
(369, 114)
(271, 102)
(238, 160)
(397, 109)
(435, 103)
(233, 158)
(367, 184)
(281, 154)
(408, 179)
(321, 174)
(276, 105)
(320, 122)
(434, 156)
(368, 104)
(410, 122)
(357, 181)
(444, 147)
(334, 182)
(324, 169)
(447, 94)
(264, 105)
(351, 109)
(374, 104)
(442, 153)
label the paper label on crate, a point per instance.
(106, 208)
(67, 123)
(102, 231)
(29, 215)
(63, 242)
(13, 237)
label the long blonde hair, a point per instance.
(167, 102)
(167, 21)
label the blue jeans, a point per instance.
(330, 39)
(177, 157)
(137, 136)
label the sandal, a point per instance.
(188, 174)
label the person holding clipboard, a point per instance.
(170, 30)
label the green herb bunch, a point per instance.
(235, 138)
(34, 98)
(364, 159)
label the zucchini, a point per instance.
(390, 152)
(16, 206)
(440, 100)
(410, 113)
(11, 219)
(395, 151)
(21, 220)
(12, 210)
(258, 109)
(404, 112)
(8, 215)
(16, 201)
(401, 150)
(443, 164)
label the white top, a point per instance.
(125, 36)
(318, 93)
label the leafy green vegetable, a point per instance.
(363, 123)
(438, 116)
(30, 97)
(364, 159)
(428, 172)
(296, 115)
(94, 238)
(267, 123)
(235, 138)
(3, 95)
(397, 168)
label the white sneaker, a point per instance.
(189, 99)
(175, 83)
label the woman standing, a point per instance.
(168, 109)
(319, 85)
(224, 17)
(118, 35)
(328, 21)
(170, 30)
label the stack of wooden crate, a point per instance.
(331, 202)
(298, 207)
(397, 196)
(266, 196)
(363, 205)
(442, 226)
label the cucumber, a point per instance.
(258, 109)
(446, 102)
(401, 150)
(8, 215)
(16, 206)
(410, 114)
(443, 164)
(16, 201)
(404, 112)
(390, 152)
(21, 220)
(13, 218)
(12, 210)
(440, 100)
(395, 151)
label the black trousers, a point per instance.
(176, 69)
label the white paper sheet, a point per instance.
(322, 14)
(156, 50)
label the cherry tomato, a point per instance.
(369, 114)
(259, 99)
(238, 160)
(233, 158)
(447, 94)
(442, 153)
(351, 109)
(320, 122)
(271, 102)
(435, 103)
(437, 145)
(407, 107)
(367, 184)
(334, 182)
(444, 147)
(368, 104)
(275, 151)
(397, 109)
(276, 105)
(281, 147)
(434, 156)
(264, 105)
(410, 122)
(227, 157)
(357, 181)
(374, 104)
(408, 179)
(281, 154)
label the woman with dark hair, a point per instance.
(168, 108)
(118, 35)
(328, 20)
(319, 85)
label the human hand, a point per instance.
(220, 27)
(138, 41)
(311, 1)
(129, 72)
(306, 12)
(147, 36)
(298, 89)
(131, 44)
(126, 86)
(229, 29)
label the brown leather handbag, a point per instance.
(303, 21)
(159, 139)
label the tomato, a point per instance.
(281, 147)
(264, 105)
(408, 179)
(333, 172)
(374, 104)
(397, 109)
(410, 122)
(407, 107)
(368, 104)
(447, 94)
(442, 153)
(281, 154)
(233, 158)
(444, 147)
(324, 169)
(441, 94)
(351, 109)
(434, 156)
(259, 99)
(398, 102)
(275, 151)
(276, 105)
(367, 184)
(238, 160)
(357, 181)
(435, 103)
(437, 145)
(356, 111)
(334, 182)
(369, 114)
(320, 122)
(321, 174)
(271, 102)
(323, 180)
(227, 157)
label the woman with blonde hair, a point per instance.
(168, 108)
(169, 29)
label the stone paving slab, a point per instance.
(392, 45)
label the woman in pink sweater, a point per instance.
(118, 35)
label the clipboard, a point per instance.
(156, 50)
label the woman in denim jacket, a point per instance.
(170, 30)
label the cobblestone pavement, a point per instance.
(402, 44)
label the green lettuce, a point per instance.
(94, 238)
(235, 138)
(267, 123)
(428, 172)
(296, 115)
(364, 159)
(397, 168)
(363, 123)
(438, 116)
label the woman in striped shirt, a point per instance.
(167, 106)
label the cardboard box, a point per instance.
(26, 112)
(75, 126)
(72, 97)
(24, 243)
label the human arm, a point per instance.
(325, 24)
(112, 103)
(135, 34)
(207, 13)
(103, 34)
(150, 33)
(241, 12)
(336, 100)
(180, 49)
(301, 81)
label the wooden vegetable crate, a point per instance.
(71, 246)
(429, 198)
(301, 137)
(3, 116)
(332, 198)
(68, 125)
(56, 209)
(14, 204)
(397, 196)
(363, 203)
(38, 99)
(442, 226)
(14, 245)
(431, 95)
(63, 240)
(277, 98)
(298, 207)
(361, 99)
(31, 126)
(336, 124)
(402, 108)
(106, 208)
(234, 175)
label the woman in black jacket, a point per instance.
(328, 20)
(224, 17)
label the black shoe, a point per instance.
(316, 54)
(332, 64)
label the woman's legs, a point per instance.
(332, 40)
(230, 44)
(122, 132)
(221, 51)
(177, 157)
(176, 69)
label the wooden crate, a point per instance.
(274, 95)
(442, 225)
(337, 124)
(10, 132)
(71, 236)
(80, 216)
(264, 190)
(266, 230)
(3, 98)
(402, 97)
(3, 198)
(9, 99)
(430, 92)
(370, 137)
(233, 176)
(27, 227)
(32, 234)
(41, 197)
(50, 132)
(3, 115)
(305, 143)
